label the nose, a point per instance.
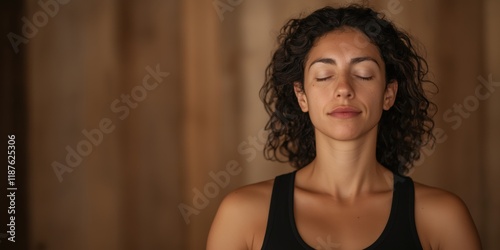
(343, 88)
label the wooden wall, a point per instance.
(176, 141)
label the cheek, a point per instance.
(374, 98)
(317, 103)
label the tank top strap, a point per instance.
(280, 232)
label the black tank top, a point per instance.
(399, 233)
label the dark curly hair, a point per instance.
(402, 130)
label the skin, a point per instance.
(343, 198)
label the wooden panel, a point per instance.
(152, 168)
(72, 72)
(83, 65)
(491, 199)
(202, 119)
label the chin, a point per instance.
(345, 137)
(343, 134)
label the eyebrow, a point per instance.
(353, 60)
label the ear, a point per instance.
(298, 88)
(391, 91)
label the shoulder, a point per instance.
(241, 214)
(248, 199)
(436, 198)
(248, 203)
(443, 220)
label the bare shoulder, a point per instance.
(436, 198)
(249, 201)
(253, 194)
(443, 220)
(241, 215)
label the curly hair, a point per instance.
(402, 130)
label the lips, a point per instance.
(344, 112)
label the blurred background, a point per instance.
(134, 118)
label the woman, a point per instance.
(348, 110)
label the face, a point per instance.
(345, 90)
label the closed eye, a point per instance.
(323, 79)
(365, 78)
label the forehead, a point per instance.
(344, 44)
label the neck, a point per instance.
(346, 169)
